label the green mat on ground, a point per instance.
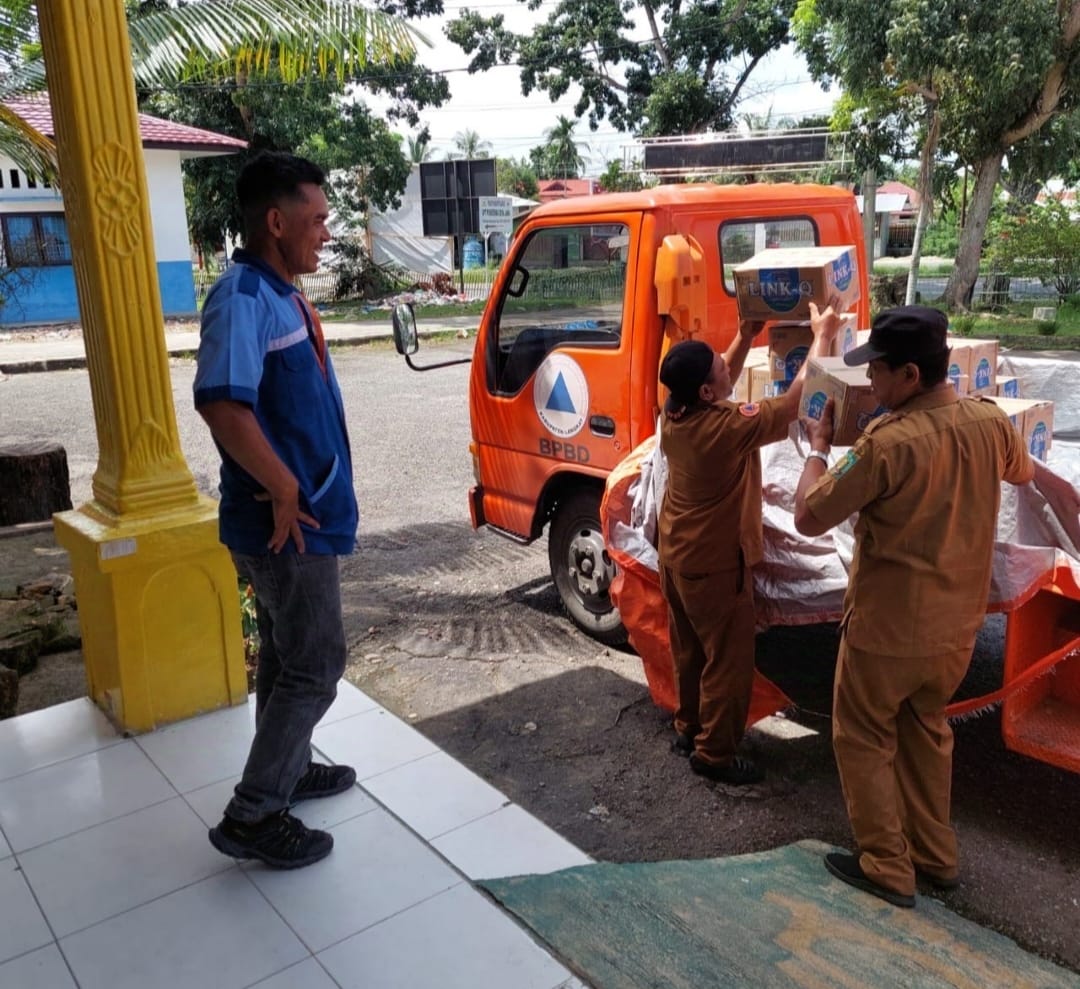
(773, 919)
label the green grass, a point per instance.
(1015, 326)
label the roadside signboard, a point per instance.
(496, 214)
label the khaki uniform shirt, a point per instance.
(926, 482)
(712, 503)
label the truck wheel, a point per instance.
(582, 569)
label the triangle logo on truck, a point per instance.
(561, 395)
(559, 400)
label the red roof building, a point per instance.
(552, 189)
(34, 232)
(156, 133)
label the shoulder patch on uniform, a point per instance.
(844, 464)
(248, 282)
(749, 409)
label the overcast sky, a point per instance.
(491, 103)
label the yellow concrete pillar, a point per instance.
(157, 593)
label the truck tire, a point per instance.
(581, 568)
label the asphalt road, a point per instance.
(461, 633)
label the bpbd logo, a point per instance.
(954, 373)
(842, 271)
(982, 374)
(780, 288)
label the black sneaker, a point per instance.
(279, 840)
(739, 772)
(683, 744)
(847, 868)
(323, 781)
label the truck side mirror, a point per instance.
(404, 321)
(407, 340)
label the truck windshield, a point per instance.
(740, 240)
(566, 291)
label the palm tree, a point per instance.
(208, 39)
(563, 152)
(468, 144)
(419, 148)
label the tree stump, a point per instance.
(9, 692)
(887, 291)
(34, 482)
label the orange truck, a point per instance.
(564, 373)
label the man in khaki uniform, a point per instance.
(925, 481)
(710, 537)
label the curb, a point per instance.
(39, 365)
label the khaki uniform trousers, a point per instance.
(893, 748)
(711, 626)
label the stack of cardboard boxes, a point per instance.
(778, 285)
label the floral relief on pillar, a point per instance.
(151, 447)
(116, 195)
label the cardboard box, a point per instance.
(789, 343)
(961, 383)
(854, 402)
(978, 360)
(760, 383)
(847, 337)
(1033, 419)
(758, 357)
(784, 281)
(1007, 387)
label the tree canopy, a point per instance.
(559, 157)
(217, 40)
(985, 75)
(684, 76)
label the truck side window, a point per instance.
(740, 240)
(570, 284)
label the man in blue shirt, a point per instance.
(266, 387)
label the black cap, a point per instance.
(906, 333)
(685, 368)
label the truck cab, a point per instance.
(564, 373)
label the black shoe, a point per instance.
(739, 772)
(280, 840)
(847, 868)
(323, 781)
(938, 882)
(683, 744)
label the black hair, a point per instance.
(933, 369)
(268, 178)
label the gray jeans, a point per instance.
(301, 659)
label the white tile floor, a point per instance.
(107, 878)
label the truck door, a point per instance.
(550, 398)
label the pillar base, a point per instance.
(164, 642)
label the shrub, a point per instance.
(963, 325)
(1046, 327)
